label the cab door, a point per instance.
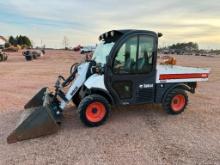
(130, 74)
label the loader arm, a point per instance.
(42, 114)
(76, 84)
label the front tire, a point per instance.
(175, 101)
(94, 110)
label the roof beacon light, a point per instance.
(112, 33)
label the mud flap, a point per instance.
(38, 119)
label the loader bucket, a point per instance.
(38, 119)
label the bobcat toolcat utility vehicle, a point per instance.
(122, 71)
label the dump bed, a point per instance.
(173, 73)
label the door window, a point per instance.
(123, 89)
(145, 54)
(125, 61)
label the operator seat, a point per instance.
(128, 64)
(142, 62)
(147, 66)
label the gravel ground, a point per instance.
(142, 134)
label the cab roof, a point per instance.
(116, 34)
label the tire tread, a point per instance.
(168, 98)
(85, 102)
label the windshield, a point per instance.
(101, 52)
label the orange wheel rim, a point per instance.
(178, 102)
(95, 112)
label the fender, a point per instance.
(103, 93)
(180, 86)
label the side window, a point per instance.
(125, 59)
(145, 54)
(123, 89)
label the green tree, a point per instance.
(26, 41)
(20, 40)
(12, 40)
(7, 45)
(23, 40)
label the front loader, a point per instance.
(41, 115)
(123, 71)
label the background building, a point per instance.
(3, 40)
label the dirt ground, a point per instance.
(142, 134)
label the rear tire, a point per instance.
(175, 101)
(94, 110)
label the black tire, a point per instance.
(28, 58)
(170, 105)
(88, 101)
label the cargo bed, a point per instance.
(174, 73)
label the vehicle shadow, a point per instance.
(72, 121)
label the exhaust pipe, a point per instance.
(38, 119)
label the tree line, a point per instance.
(20, 40)
(190, 46)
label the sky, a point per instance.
(82, 21)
